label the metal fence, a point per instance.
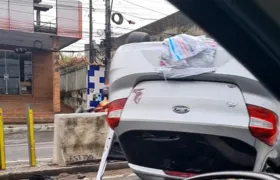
(72, 79)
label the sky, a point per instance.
(142, 12)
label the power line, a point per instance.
(65, 30)
(129, 14)
(24, 3)
(69, 30)
(145, 7)
(137, 16)
(69, 7)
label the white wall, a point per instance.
(4, 15)
(21, 15)
(69, 14)
(17, 15)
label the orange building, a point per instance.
(30, 78)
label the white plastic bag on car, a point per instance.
(184, 55)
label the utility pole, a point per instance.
(107, 39)
(91, 58)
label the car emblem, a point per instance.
(181, 109)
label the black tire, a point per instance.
(136, 37)
(120, 21)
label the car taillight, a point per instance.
(179, 174)
(263, 124)
(114, 112)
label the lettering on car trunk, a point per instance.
(137, 95)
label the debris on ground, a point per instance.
(91, 176)
(39, 177)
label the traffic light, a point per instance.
(20, 50)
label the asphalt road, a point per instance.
(17, 147)
(17, 154)
(121, 174)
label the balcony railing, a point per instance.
(45, 27)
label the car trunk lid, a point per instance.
(191, 102)
(187, 126)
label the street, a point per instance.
(122, 174)
(17, 147)
(17, 154)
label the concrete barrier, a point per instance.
(79, 137)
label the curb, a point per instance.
(21, 163)
(41, 128)
(55, 171)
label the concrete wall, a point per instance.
(73, 78)
(75, 99)
(79, 137)
(81, 95)
(73, 86)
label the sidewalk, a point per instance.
(64, 173)
(8, 129)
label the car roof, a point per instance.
(247, 29)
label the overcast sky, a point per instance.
(142, 12)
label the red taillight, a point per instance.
(263, 124)
(179, 174)
(114, 112)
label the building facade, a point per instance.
(28, 51)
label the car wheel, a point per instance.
(135, 37)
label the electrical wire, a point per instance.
(145, 7)
(65, 30)
(72, 18)
(76, 19)
(86, 35)
(71, 30)
(69, 7)
(139, 17)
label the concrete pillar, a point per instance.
(56, 78)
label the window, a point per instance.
(26, 73)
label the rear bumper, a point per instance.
(187, 152)
(209, 128)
